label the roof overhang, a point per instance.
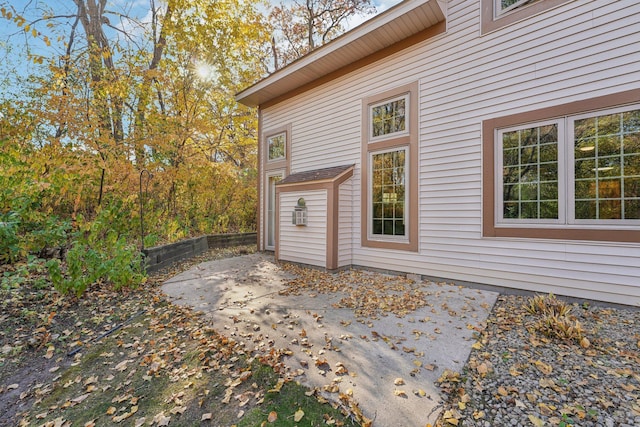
(399, 27)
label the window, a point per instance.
(575, 177)
(274, 153)
(496, 14)
(389, 118)
(606, 167)
(277, 146)
(390, 170)
(602, 176)
(388, 192)
(529, 160)
(504, 6)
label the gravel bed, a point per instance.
(517, 376)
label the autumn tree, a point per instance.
(302, 25)
(115, 90)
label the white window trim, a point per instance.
(566, 178)
(383, 237)
(284, 156)
(499, 209)
(407, 115)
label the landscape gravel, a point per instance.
(518, 376)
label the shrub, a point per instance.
(555, 320)
(99, 252)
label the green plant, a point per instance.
(99, 252)
(566, 421)
(9, 240)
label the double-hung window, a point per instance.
(577, 174)
(389, 187)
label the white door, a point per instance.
(270, 229)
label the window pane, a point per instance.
(607, 166)
(585, 168)
(511, 210)
(632, 209)
(530, 173)
(585, 189)
(632, 143)
(585, 209)
(632, 188)
(388, 199)
(584, 128)
(276, 146)
(631, 121)
(549, 191)
(388, 118)
(610, 209)
(549, 209)
(549, 152)
(609, 146)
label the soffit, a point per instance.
(381, 32)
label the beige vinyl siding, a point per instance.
(345, 221)
(304, 244)
(569, 53)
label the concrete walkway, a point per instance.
(390, 365)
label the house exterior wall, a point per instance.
(576, 51)
(345, 221)
(303, 244)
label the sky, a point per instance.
(15, 62)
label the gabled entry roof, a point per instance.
(317, 175)
(401, 26)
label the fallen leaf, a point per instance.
(111, 410)
(482, 368)
(50, 350)
(398, 381)
(400, 393)
(273, 416)
(79, 399)
(514, 371)
(537, 422)
(298, 415)
(543, 367)
(161, 419)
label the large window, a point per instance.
(389, 165)
(388, 192)
(576, 176)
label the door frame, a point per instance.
(270, 223)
